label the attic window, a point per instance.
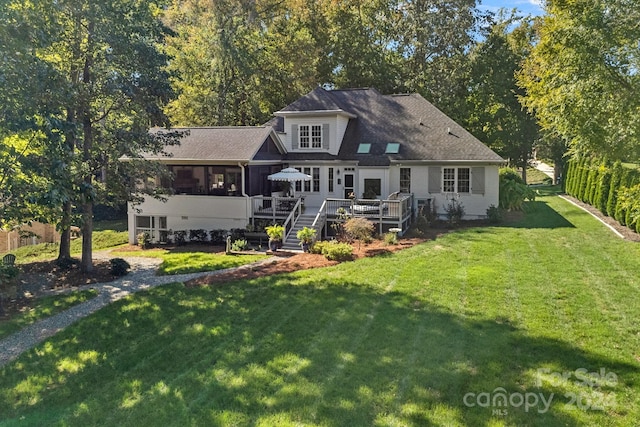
(364, 148)
(392, 148)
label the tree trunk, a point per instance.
(86, 265)
(64, 253)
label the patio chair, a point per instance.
(9, 259)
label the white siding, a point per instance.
(337, 127)
(194, 212)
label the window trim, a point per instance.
(406, 180)
(310, 136)
(452, 180)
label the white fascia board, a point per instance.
(315, 113)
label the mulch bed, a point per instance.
(290, 262)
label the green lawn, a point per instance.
(102, 239)
(41, 308)
(433, 335)
(192, 261)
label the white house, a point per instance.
(349, 141)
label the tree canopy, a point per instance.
(582, 78)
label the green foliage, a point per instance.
(602, 188)
(119, 267)
(612, 198)
(337, 251)
(581, 77)
(333, 250)
(359, 228)
(198, 236)
(180, 237)
(102, 69)
(217, 236)
(239, 245)
(275, 231)
(513, 190)
(390, 238)
(306, 235)
(494, 214)
(8, 273)
(496, 116)
(629, 201)
(144, 239)
(455, 212)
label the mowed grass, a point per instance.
(192, 261)
(43, 307)
(102, 239)
(432, 335)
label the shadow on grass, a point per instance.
(538, 214)
(277, 352)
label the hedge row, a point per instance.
(611, 188)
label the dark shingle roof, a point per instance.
(423, 131)
(236, 143)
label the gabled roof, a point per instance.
(318, 100)
(423, 132)
(225, 144)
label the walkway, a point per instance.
(142, 277)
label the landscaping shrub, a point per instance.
(333, 250)
(237, 234)
(198, 236)
(119, 267)
(360, 229)
(455, 212)
(180, 237)
(336, 251)
(390, 238)
(217, 237)
(614, 183)
(144, 239)
(513, 190)
(629, 200)
(239, 245)
(602, 193)
(494, 214)
(318, 247)
(8, 273)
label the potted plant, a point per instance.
(306, 237)
(276, 234)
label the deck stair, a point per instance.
(291, 243)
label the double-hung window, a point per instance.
(310, 136)
(304, 136)
(456, 180)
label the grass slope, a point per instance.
(394, 340)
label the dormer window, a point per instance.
(310, 136)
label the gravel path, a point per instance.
(141, 277)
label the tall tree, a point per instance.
(434, 37)
(106, 87)
(496, 115)
(582, 77)
(237, 61)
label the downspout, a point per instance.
(242, 188)
(249, 208)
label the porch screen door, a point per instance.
(348, 185)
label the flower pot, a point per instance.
(305, 247)
(273, 245)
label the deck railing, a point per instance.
(273, 207)
(391, 211)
